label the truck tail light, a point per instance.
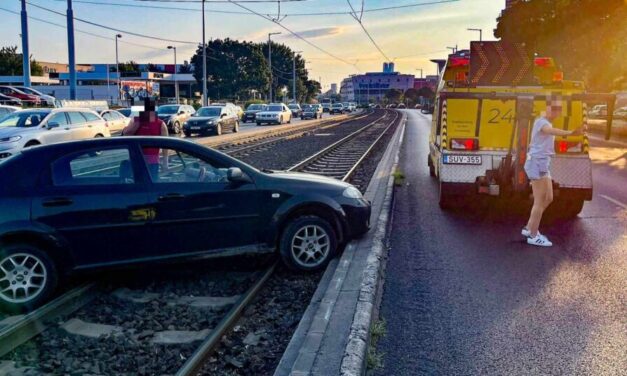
(563, 147)
(464, 144)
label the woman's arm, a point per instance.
(131, 128)
(560, 132)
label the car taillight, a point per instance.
(464, 144)
(563, 146)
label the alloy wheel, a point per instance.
(23, 276)
(310, 246)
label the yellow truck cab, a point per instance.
(486, 103)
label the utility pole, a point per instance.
(117, 67)
(70, 47)
(294, 75)
(25, 52)
(420, 69)
(176, 84)
(480, 33)
(271, 97)
(204, 59)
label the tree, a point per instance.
(11, 63)
(129, 66)
(394, 95)
(411, 95)
(585, 37)
(150, 67)
(185, 68)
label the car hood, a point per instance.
(15, 131)
(308, 179)
(269, 112)
(200, 119)
(252, 111)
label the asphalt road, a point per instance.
(464, 295)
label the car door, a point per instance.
(56, 129)
(196, 208)
(97, 199)
(79, 126)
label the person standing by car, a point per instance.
(541, 149)
(148, 124)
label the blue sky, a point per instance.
(409, 36)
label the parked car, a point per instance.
(5, 110)
(26, 128)
(353, 106)
(347, 107)
(621, 113)
(276, 113)
(337, 108)
(296, 109)
(401, 105)
(252, 111)
(49, 100)
(115, 120)
(311, 111)
(16, 93)
(212, 119)
(87, 205)
(598, 111)
(174, 115)
(10, 101)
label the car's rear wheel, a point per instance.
(308, 243)
(290, 121)
(27, 277)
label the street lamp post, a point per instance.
(294, 76)
(420, 69)
(117, 67)
(270, 98)
(25, 50)
(204, 59)
(480, 33)
(454, 49)
(70, 47)
(176, 84)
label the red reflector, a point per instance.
(464, 144)
(542, 62)
(456, 62)
(563, 146)
(558, 76)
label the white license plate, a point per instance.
(195, 128)
(462, 159)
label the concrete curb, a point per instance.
(337, 321)
(355, 353)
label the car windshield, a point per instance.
(23, 119)
(307, 106)
(256, 107)
(28, 90)
(167, 110)
(275, 108)
(209, 111)
(293, 107)
(337, 105)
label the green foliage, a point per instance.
(235, 68)
(11, 63)
(394, 95)
(399, 177)
(374, 359)
(585, 37)
(129, 66)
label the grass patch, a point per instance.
(399, 177)
(374, 358)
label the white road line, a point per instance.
(614, 201)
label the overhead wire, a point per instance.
(359, 21)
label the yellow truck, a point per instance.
(486, 102)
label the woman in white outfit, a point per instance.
(541, 149)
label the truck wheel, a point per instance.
(308, 244)
(27, 277)
(565, 208)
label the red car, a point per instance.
(15, 93)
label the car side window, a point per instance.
(107, 115)
(76, 118)
(59, 118)
(94, 167)
(90, 116)
(177, 166)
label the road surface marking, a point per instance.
(614, 201)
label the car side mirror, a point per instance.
(236, 175)
(52, 124)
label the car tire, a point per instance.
(306, 237)
(236, 127)
(290, 121)
(281, 120)
(302, 118)
(32, 143)
(25, 264)
(176, 127)
(258, 124)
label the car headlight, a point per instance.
(210, 122)
(352, 192)
(11, 139)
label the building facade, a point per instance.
(372, 86)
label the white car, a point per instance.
(26, 128)
(49, 99)
(116, 121)
(5, 110)
(275, 113)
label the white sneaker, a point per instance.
(540, 241)
(525, 232)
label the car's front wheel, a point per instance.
(218, 129)
(177, 127)
(27, 277)
(308, 243)
(236, 127)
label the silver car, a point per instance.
(115, 120)
(5, 110)
(26, 128)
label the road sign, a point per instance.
(500, 64)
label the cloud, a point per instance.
(318, 33)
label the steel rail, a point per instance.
(37, 321)
(195, 362)
(339, 143)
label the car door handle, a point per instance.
(171, 197)
(57, 201)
